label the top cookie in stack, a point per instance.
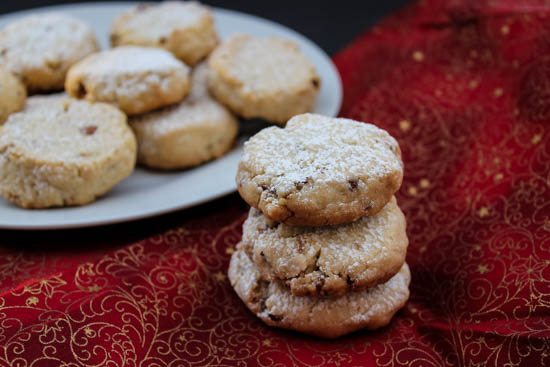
(323, 249)
(320, 171)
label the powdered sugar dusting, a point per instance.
(124, 75)
(51, 40)
(198, 109)
(323, 316)
(266, 64)
(322, 150)
(154, 22)
(59, 129)
(130, 60)
(363, 251)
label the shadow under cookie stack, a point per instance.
(323, 248)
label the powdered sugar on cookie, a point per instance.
(40, 49)
(268, 78)
(184, 28)
(322, 316)
(320, 170)
(328, 260)
(60, 151)
(135, 79)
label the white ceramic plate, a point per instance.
(146, 193)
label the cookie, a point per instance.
(12, 94)
(187, 134)
(326, 317)
(40, 49)
(184, 28)
(135, 79)
(268, 78)
(328, 260)
(319, 171)
(60, 151)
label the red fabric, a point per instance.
(465, 88)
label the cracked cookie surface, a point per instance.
(331, 260)
(60, 151)
(184, 28)
(134, 79)
(319, 171)
(268, 78)
(187, 134)
(321, 316)
(40, 49)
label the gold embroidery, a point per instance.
(536, 138)
(482, 269)
(404, 125)
(32, 301)
(483, 212)
(418, 56)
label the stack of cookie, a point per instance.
(323, 249)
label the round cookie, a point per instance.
(135, 79)
(40, 49)
(184, 28)
(12, 94)
(268, 78)
(319, 171)
(60, 151)
(187, 134)
(328, 260)
(321, 316)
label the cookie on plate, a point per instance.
(268, 78)
(321, 316)
(328, 260)
(60, 151)
(187, 134)
(40, 49)
(135, 79)
(319, 171)
(184, 28)
(12, 94)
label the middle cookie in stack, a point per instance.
(324, 233)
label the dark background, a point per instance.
(330, 24)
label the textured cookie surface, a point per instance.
(319, 171)
(60, 151)
(184, 28)
(41, 48)
(12, 94)
(328, 260)
(322, 316)
(135, 79)
(268, 78)
(187, 134)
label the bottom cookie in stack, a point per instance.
(326, 317)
